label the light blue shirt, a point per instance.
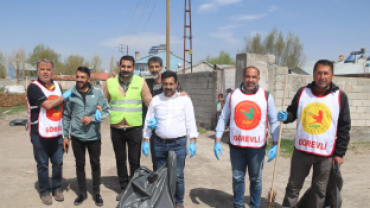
(271, 114)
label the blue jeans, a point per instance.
(43, 149)
(161, 152)
(241, 158)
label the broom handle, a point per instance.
(278, 151)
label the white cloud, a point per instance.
(227, 2)
(207, 8)
(215, 4)
(248, 17)
(230, 27)
(273, 8)
(227, 36)
(144, 43)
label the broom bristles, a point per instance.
(272, 201)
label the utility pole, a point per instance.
(121, 48)
(168, 51)
(17, 69)
(190, 37)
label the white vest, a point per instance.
(248, 121)
(50, 121)
(317, 122)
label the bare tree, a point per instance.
(96, 63)
(2, 66)
(72, 63)
(113, 66)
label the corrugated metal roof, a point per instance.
(224, 66)
(27, 66)
(187, 66)
(341, 68)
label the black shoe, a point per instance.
(80, 198)
(98, 200)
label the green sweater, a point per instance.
(75, 109)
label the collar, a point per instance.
(177, 94)
(254, 90)
(122, 82)
(75, 91)
(52, 84)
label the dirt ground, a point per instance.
(208, 181)
(9, 100)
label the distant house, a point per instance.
(12, 70)
(141, 65)
(200, 66)
(355, 65)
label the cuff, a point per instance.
(193, 135)
(219, 134)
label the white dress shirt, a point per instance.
(175, 117)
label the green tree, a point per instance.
(288, 50)
(72, 63)
(3, 73)
(222, 58)
(41, 51)
(12, 59)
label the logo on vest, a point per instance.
(54, 114)
(316, 118)
(247, 115)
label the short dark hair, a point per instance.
(127, 58)
(168, 74)
(229, 90)
(325, 63)
(155, 59)
(84, 69)
(222, 95)
(245, 70)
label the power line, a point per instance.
(146, 23)
(137, 23)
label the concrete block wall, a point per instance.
(202, 88)
(356, 89)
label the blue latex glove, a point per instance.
(192, 148)
(272, 153)
(67, 94)
(152, 123)
(282, 116)
(98, 116)
(218, 148)
(145, 148)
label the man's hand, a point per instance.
(67, 94)
(112, 75)
(86, 120)
(145, 148)
(192, 149)
(282, 115)
(152, 123)
(272, 153)
(218, 148)
(98, 116)
(65, 145)
(338, 159)
(184, 94)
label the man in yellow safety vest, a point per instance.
(126, 94)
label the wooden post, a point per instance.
(168, 51)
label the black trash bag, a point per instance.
(152, 189)
(333, 198)
(19, 122)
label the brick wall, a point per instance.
(202, 88)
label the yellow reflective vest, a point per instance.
(128, 107)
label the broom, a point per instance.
(272, 193)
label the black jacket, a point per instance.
(344, 120)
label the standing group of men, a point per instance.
(56, 118)
(321, 110)
(322, 135)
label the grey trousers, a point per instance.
(299, 169)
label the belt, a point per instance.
(168, 140)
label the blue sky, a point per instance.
(327, 28)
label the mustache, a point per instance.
(80, 82)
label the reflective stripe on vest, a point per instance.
(317, 122)
(128, 107)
